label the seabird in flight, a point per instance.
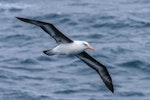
(66, 46)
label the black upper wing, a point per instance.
(50, 29)
(98, 67)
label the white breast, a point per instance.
(69, 48)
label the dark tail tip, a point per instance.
(48, 52)
(45, 52)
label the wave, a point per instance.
(13, 7)
(136, 65)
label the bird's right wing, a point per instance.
(98, 67)
(50, 29)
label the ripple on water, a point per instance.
(130, 94)
(9, 94)
(135, 64)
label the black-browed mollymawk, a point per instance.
(66, 46)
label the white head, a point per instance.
(86, 45)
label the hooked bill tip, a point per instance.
(90, 47)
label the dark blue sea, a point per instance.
(119, 30)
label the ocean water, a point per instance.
(118, 29)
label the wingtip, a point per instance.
(112, 91)
(109, 84)
(111, 88)
(35, 22)
(22, 19)
(19, 18)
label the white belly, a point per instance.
(68, 49)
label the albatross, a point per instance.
(66, 46)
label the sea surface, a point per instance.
(119, 30)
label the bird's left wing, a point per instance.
(50, 29)
(98, 67)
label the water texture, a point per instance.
(118, 29)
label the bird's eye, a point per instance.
(85, 44)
